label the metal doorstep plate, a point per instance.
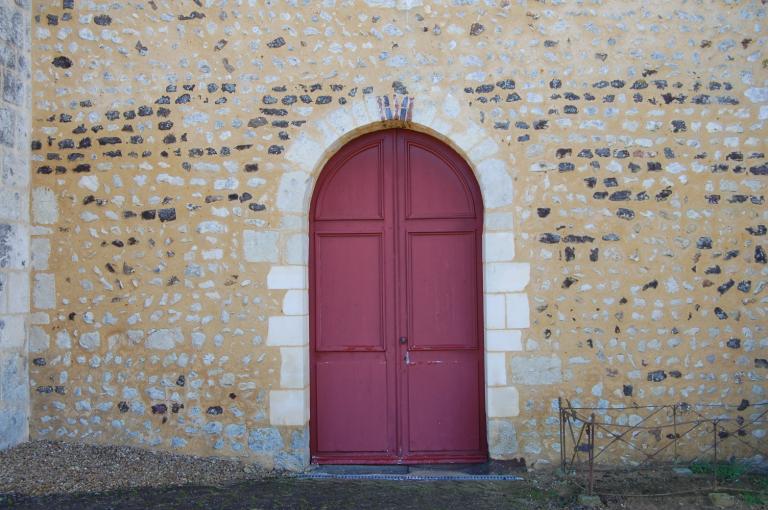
(408, 477)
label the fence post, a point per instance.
(562, 433)
(591, 443)
(674, 431)
(714, 449)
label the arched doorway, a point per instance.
(396, 313)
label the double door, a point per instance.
(396, 360)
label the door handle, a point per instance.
(403, 340)
(407, 357)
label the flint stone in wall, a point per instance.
(265, 440)
(291, 461)
(164, 339)
(535, 370)
(502, 439)
(757, 94)
(90, 341)
(63, 340)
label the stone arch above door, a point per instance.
(505, 302)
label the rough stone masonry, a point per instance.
(620, 148)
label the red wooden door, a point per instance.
(396, 364)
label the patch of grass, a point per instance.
(537, 494)
(726, 471)
(753, 498)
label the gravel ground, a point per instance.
(42, 475)
(40, 468)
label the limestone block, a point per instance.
(296, 249)
(39, 340)
(499, 221)
(41, 252)
(287, 277)
(468, 138)
(4, 292)
(503, 402)
(495, 369)
(44, 291)
(260, 246)
(293, 367)
(14, 246)
(535, 370)
(44, 208)
(485, 149)
(13, 426)
(14, 380)
(495, 182)
(18, 292)
(495, 311)
(11, 207)
(12, 333)
(288, 331)
(288, 407)
(503, 340)
(292, 191)
(499, 246)
(518, 311)
(507, 276)
(296, 302)
(304, 152)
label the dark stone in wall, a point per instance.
(62, 62)
(760, 256)
(549, 238)
(167, 214)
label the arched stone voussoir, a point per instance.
(444, 119)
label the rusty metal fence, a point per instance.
(680, 434)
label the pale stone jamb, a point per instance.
(505, 301)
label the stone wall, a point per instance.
(14, 220)
(620, 148)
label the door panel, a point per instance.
(355, 190)
(434, 189)
(352, 392)
(396, 360)
(349, 286)
(441, 421)
(442, 290)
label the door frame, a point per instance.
(457, 161)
